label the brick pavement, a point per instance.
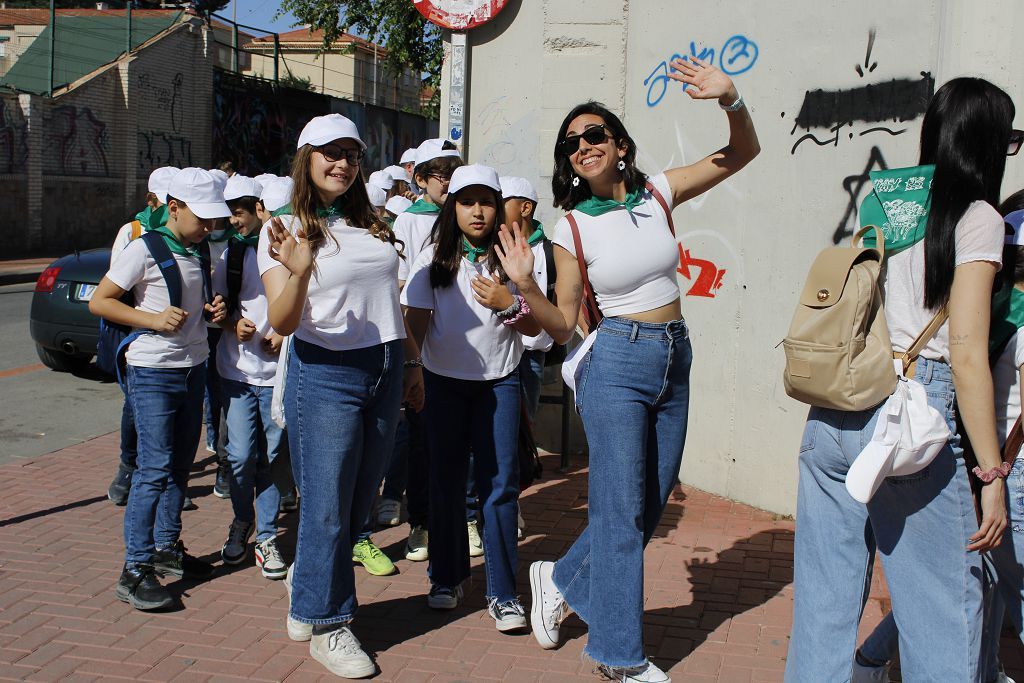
(718, 597)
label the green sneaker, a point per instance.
(372, 558)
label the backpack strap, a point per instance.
(909, 357)
(664, 205)
(551, 268)
(207, 270)
(235, 264)
(136, 229)
(591, 311)
(160, 252)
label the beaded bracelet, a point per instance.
(523, 311)
(512, 309)
(988, 477)
(413, 363)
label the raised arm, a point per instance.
(709, 83)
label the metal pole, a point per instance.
(234, 46)
(277, 45)
(375, 73)
(457, 91)
(53, 35)
(128, 38)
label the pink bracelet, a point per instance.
(1000, 472)
(524, 310)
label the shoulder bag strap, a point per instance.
(591, 312)
(167, 265)
(664, 205)
(909, 358)
(136, 229)
(1014, 440)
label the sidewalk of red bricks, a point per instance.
(718, 592)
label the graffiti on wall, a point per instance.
(157, 149)
(165, 94)
(855, 186)
(705, 275)
(737, 55)
(13, 137)
(79, 140)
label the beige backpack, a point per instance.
(838, 353)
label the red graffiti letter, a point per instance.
(709, 276)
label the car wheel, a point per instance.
(60, 361)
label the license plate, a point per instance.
(84, 292)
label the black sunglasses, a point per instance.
(594, 135)
(334, 153)
(1016, 140)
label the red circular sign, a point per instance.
(459, 15)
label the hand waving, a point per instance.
(515, 255)
(291, 251)
(707, 81)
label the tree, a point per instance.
(410, 40)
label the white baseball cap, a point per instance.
(513, 186)
(398, 173)
(160, 180)
(378, 196)
(241, 186)
(277, 192)
(262, 178)
(381, 179)
(201, 191)
(408, 156)
(474, 174)
(432, 149)
(220, 176)
(397, 204)
(323, 129)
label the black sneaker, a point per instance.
(122, 484)
(187, 504)
(139, 588)
(289, 502)
(222, 486)
(176, 562)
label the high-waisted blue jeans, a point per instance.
(342, 409)
(633, 395)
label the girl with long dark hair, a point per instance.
(924, 523)
(633, 387)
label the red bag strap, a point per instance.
(591, 312)
(664, 205)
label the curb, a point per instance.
(19, 278)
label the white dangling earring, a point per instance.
(621, 165)
(575, 181)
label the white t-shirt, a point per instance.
(978, 237)
(136, 270)
(465, 339)
(248, 361)
(631, 257)
(352, 299)
(413, 229)
(123, 239)
(1006, 382)
(543, 341)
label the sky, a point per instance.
(260, 14)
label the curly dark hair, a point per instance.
(566, 196)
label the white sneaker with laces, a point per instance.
(339, 650)
(389, 512)
(869, 674)
(547, 606)
(444, 597)
(476, 544)
(269, 560)
(416, 546)
(239, 533)
(508, 616)
(650, 673)
(298, 631)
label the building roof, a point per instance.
(315, 38)
(41, 17)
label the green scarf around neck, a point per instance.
(538, 233)
(285, 210)
(143, 216)
(329, 212)
(175, 245)
(157, 218)
(422, 206)
(250, 240)
(899, 204)
(1007, 318)
(473, 253)
(597, 206)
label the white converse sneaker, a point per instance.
(337, 648)
(649, 673)
(547, 607)
(476, 544)
(508, 616)
(520, 526)
(389, 512)
(416, 546)
(444, 597)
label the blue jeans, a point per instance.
(129, 437)
(920, 523)
(531, 376)
(634, 395)
(408, 470)
(168, 407)
(481, 417)
(341, 408)
(214, 405)
(254, 442)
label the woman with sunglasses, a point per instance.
(329, 264)
(633, 390)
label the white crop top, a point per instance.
(631, 256)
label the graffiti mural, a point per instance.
(13, 137)
(78, 140)
(737, 55)
(162, 149)
(705, 275)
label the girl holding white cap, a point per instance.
(471, 323)
(633, 391)
(330, 269)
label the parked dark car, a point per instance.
(64, 330)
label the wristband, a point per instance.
(524, 310)
(413, 363)
(735, 106)
(991, 475)
(513, 307)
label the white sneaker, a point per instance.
(547, 607)
(476, 544)
(269, 560)
(389, 512)
(297, 630)
(869, 674)
(239, 533)
(340, 651)
(508, 616)
(416, 546)
(444, 597)
(520, 526)
(647, 674)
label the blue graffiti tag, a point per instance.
(738, 55)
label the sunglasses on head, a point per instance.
(333, 153)
(594, 135)
(1016, 140)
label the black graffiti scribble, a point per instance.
(868, 64)
(853, 185)
(900, 100)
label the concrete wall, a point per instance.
(745, 246)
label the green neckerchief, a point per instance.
(332, 210)
(538, 233)
(225, 235)
(285, 210)
(423, 206)
(143, 217)
(471, 252)
(157, 218)
(1007, 318)
(595, 206)
(175, 245)
(899, 205)
(250, 240)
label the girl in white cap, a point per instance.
(633, 390)
(330, 268)
(470, 321)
